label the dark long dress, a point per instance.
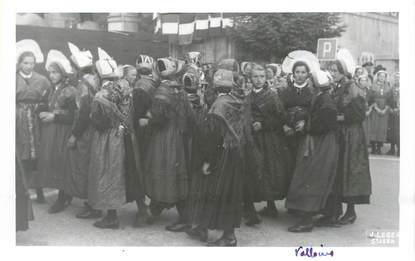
(24, 211)
(315, 170)
(216, 201)
(366, 123)
(55, 168)
(31, 97)
(82, 131)
(106, 179)
(354, 182)
(297, 104)
(166, 176)
(267, 109)
(378, 122)
(142, 97)
(394, 117)
(197, 180)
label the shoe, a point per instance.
(391, 152)
(40, 197)
(223, 242)
(294, 212)
(177, 227)
(141, 218)
(151, 220)
(107, 223)
(254, 220)
(347, 219)
(59, 206)
(301, 228)
(326, 222)
(40, 200)
(198, 233)
(155, 209)
(89, 214)
(268, 212)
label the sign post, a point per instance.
(327, 49)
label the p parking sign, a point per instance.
(326, 49)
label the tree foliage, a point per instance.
(271, 36)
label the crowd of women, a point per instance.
(208, 140)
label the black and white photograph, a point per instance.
(212, 129)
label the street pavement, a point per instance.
(382, 215)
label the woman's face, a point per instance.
(334, 71)
(364, 82)
(359, 72)
(270, 73)
(396, 80)
(131, 76)
(300, 74)
(27, 64)
(381, 77)
(258, 78)
(54, 75)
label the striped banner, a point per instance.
(183, 28)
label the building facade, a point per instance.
(377, 33)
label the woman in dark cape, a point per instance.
(166, 176)
(296, 99)
(80, 140)
(55, 166)
(268, 118)
(218, 204)
(106, 186)
(142, 98)
(353, 182)
(317, 157)
(32, 91)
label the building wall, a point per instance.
(375, 33)
(366, 32)
(123, 48)
(212, 50)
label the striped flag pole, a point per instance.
(157, 18)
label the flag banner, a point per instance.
(202, 25)
(215, 24)
(170, 24)
(227, 20)
(186, 28)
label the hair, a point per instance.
(61, 70)
(273, 69)
(300, 63)
(357, 69)
(144, 71)
(341, 68)
(128, 68)
(256, 67)
(24, 55)
(223, 89)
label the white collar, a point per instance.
(257, 90)
(221, 94)
(301, 85)
(26, 76)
